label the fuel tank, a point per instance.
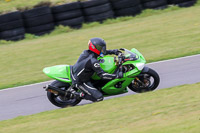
(107, 63)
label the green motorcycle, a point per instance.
(136, 77)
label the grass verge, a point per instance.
(174, 110)
(162, 36)
(13, 5)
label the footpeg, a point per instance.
(46, 87)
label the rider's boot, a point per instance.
(73, 94)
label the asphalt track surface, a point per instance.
(31, 99)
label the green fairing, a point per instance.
(109, 88)
(128, 76)
(59, 72)
(141, 57)
(107, 63)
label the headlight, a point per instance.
(140, 66)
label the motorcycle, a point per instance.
(136, 77)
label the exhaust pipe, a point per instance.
(55, 90)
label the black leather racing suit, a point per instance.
(82, 71)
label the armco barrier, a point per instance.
(42, 20)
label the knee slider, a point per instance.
(99, 98)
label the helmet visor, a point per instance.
(103, 50)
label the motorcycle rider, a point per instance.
(85, 67)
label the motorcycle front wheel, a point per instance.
(61, 101)
(146, 81)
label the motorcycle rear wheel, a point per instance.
(147, 81)
(61, 101)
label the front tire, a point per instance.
(61, 101)
(146, 81)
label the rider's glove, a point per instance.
(116, 51)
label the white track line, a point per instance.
(52, 80)
(25, 86)
(175, 59)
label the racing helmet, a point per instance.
(97, 45)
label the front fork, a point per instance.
(142, 81)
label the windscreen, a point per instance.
(129, 54)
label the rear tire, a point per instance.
(146, 78)
(60, 101)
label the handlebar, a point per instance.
(120, 60)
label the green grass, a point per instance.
(173, 110)
(13, 5)
(161, 36)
